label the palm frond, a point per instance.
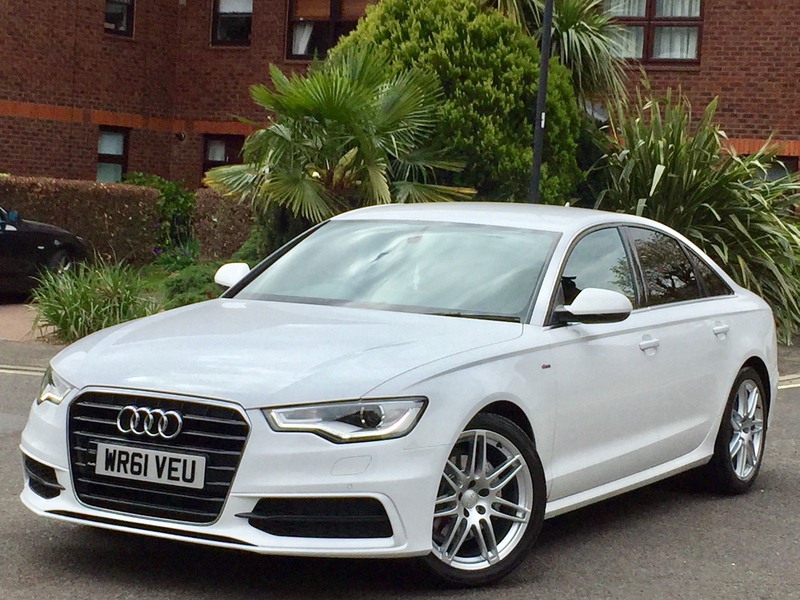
(346, 134)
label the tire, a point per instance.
(739, 449)
(61, 262)
(490, 503)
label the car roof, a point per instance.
(566, 219)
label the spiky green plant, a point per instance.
(89, 298)
(349, 133)
(663, 165)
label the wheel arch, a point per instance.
(513, 413)
(760, 367)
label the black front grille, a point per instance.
(41, 478)
(321, 517)
(216, 432)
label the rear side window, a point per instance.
(668, 274)
(598, 260)
(712, 284)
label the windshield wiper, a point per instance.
(466, 315)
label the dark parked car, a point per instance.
(27, 247)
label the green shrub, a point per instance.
(488, 69)
(663, 165)
(175, 258)
(117, 221)
(175, 209)
(90, 298)
(192, 284)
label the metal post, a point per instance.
(539, 116)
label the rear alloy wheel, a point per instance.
(490, 503)
(739, 448)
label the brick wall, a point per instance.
(62, 76)
(750, 58)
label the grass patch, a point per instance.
(90, 298)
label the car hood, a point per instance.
(261, 353)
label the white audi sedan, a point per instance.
(413, 380)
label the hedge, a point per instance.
(116, 221)
(221, 224)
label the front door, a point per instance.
(607, 400)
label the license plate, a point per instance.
(170, 468)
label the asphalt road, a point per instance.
(664, 541)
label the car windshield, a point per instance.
(425, 267)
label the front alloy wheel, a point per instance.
(490, 503)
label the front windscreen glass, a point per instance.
(426, 267)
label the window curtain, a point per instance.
(630, 43)
(625, 8)
(675, 43)
(238, 7)
(301, 36)
(678, 8)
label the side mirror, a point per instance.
(13, 217)
(594, 305)
(231, 274)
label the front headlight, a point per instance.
(352, 421)
(54, 388)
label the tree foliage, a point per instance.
(662, 165)
(488, 70)
(349, 133)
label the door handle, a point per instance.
(720, 329)
(649, 343)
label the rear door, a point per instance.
(691, 312)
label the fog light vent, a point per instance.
(321, 517)
(41, 478)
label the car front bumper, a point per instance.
(273, 465)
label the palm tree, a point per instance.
(347, 134)
(585, 39)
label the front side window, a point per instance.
(231, 23)
(668, 274)
(422, 267)
(658, 30)
(119, 17)
(316, 25)
(783, 166)
(598, 260)
(112, 154)
(220, 150)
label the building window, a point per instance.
(316, 25)
(119, 17)
(222, 150)
(231, 22)
(112, 154)
(783, 166)
(658, 30)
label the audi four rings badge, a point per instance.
(152, 422)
